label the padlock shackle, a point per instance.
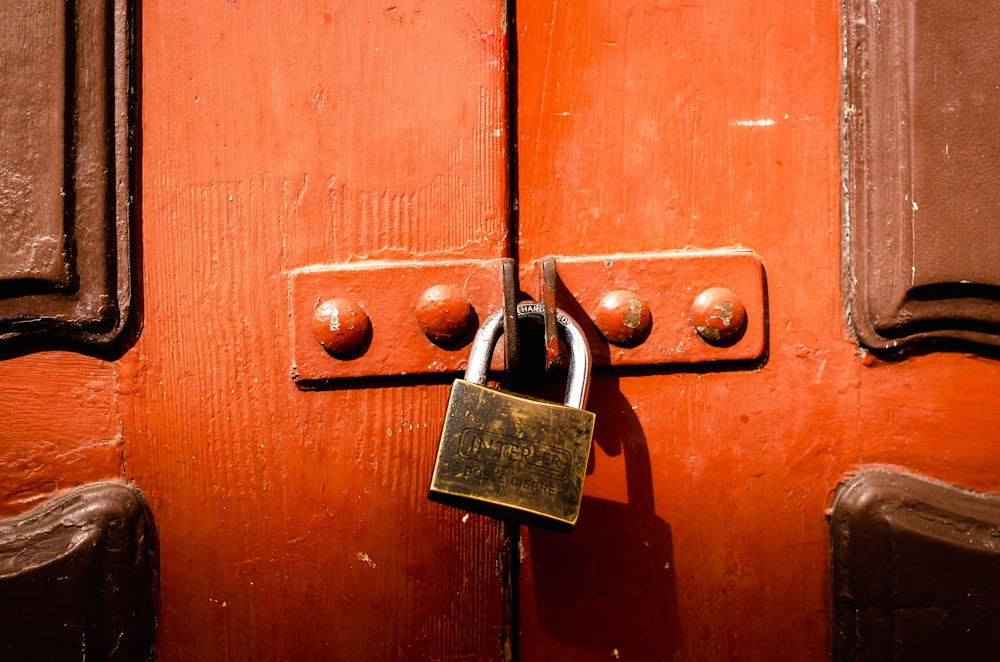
(578, 379)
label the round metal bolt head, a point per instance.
(718, 315)
(340, 325)
(623, 318)
(443, 313)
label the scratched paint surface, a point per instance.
(661, 125)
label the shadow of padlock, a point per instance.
(608, 587)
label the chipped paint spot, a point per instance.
(365, 559)
(760, 122)
(634, 314)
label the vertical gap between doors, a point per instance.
(509, 18)
(510, 532)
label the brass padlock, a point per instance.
(513, 456)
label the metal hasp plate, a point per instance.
(77, 578)
(921, 165)
(65, 141)
(916, 570)
(668, 285)
(388, 294)
(396, 343)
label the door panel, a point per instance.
(914, 569)
(64, 172)
(920, 148)
(664, 125)
(294, 524)
(77, 577)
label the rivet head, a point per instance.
(718, 315)
(623, 318)
(340, 325)
(443, 313)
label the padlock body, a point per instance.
(513, 457)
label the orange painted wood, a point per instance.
(703, 536)
(60, 426)
(295, 525)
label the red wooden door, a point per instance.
(661, 125)
(293, 524)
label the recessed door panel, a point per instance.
(921, 163)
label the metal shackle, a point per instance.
(578, 380)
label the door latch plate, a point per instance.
(667, 284)
(388, 292)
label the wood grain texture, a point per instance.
(294, 525)
(669, 124)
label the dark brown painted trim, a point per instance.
(67, 245)
(78, 578)
(920, 164)
(916, 570)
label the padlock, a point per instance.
(512, 456)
